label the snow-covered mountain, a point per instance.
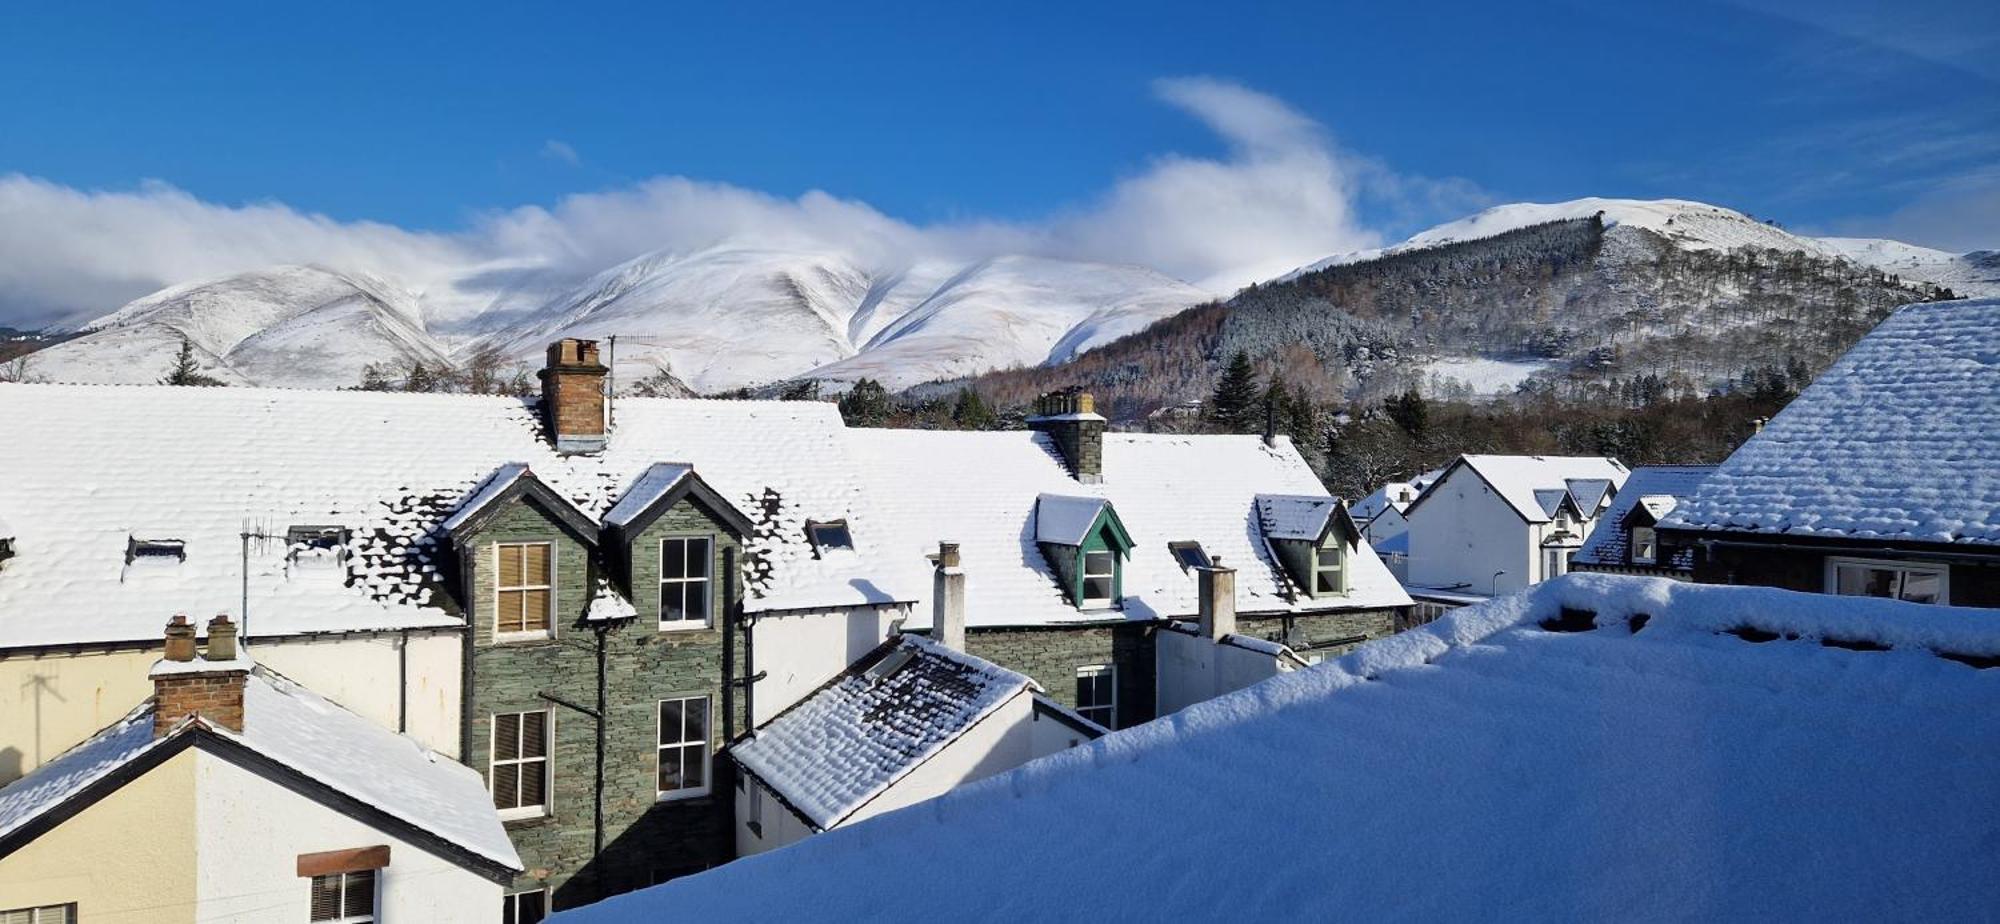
(726, 317)
(1700, 226)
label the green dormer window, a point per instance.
(1330, 567)
(1086, 547)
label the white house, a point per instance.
(1380, 516)
(235, 795)
(1496, 524)
(1683, 752)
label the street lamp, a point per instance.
(1493, 585)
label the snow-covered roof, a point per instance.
(289, 724)
(1293, 516)
(490, 491)
(1658, 488)
(1894, 442)
(86, 466)
(658, 479)
(1517, 479)
(834, 751)
(980, 489)
(1673, 771)
(1397, 494)
(1065, 519)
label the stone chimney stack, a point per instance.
(948, 599)
(1218, 602)
(1070, 419)
(186, 684)
(573, 396)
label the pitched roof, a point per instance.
(1517, 478)
(833, 752)
(289, 724)
(1066, 520)
(86, 465)
(1608, 774)
(1658, 488)
(980, 489)
(1390, 495)
(1894, 442)
(1293, 516)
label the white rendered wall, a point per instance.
(249, 833)
(1192, 669)
(51, 702)
(799, 652)
(780, 827)
(1001, 741)
(1047, 735)
(1462, 532)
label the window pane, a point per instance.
(534, 734)
(361, 893)
(534, 782)
(670, 722)
(697, 720)
(535, 564)
(691, 769)
(325, 898)
(506, 786)
(510, 566)
(1329, 582)
(506, 736)
(673, 559)
(673, 602)
(534, 610)
(1097, 588)
(697, 558)
(1922, 586)
(1097, 563)
(1863, 581)
(670, 770)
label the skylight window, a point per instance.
(888, 666)
(829, 535)
(1190, 555)
(155, 550)
(312, 546)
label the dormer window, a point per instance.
(155, 551)
(1085, 546)
(1330, 567)
(1645, 545)
(1190, 555)
(829, 535)
(316, 546)
(1100, 578)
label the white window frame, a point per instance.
(1941, 569)
(374, 898)
(547, 760)
(1653, 539)
(1111, 708)
(1339, 568)
(707, 748)
(707, 580)
(1084, 600)
(510, 908)
(1563, 553)
(554, 569)
(43, 914)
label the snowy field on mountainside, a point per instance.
(1485, 767)
(1479, 375)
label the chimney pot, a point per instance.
(573, 397)
(221, 639)
(180, 639)
(1217, 586)
(948, 599)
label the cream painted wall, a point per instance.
(778, 825)
(1001, 741)
(1192, 669)
(124, 860)
(799, 652)
(250, 832)
(1462, 533)
(51, 702)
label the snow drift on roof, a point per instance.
(300, 729)
(1603, 775)
(1895, 442)
(842, 746)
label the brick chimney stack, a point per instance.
(573, 396)
(1070, 419)
(948, 599)
(1217, 587)
(187, 684)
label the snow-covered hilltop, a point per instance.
(1700, 226)
(727, 317)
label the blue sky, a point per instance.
(1867, 119)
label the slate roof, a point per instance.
(1517, 479)
(839, 748)
(1656, 487)
(1064, 519)
(291, 725)
(1895, 442)
(87, 467)
(1292, 516)
(1672, 772)
(980, 489)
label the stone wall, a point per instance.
(1052, 654)
(1316, 632)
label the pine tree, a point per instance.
(1235, 406)
(866, 404)
(374, 379)
(801, 390)
(971, 411)
(185, 371)
(1410, 411)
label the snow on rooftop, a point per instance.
(1517, 478)
(1065, 520)
(87, 465)
(658, 479)
(1895, 442)
(491, 490)
(1293, 516)
(1673, 772)
(1658, 488)
(293, 726)
(839, 748)
(980, 489)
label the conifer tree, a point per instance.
(971, 411)
(866, 404)
(185, 371)
(1235, 406)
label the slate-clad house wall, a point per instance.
(1802, 565)
(647, 839)
(1052, 654)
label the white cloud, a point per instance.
(1962, 215)
(1283, 195)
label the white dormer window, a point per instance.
(1100, 574)
(1329, 568)
(1645, 545)
(830, 535)
(1190, 555)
